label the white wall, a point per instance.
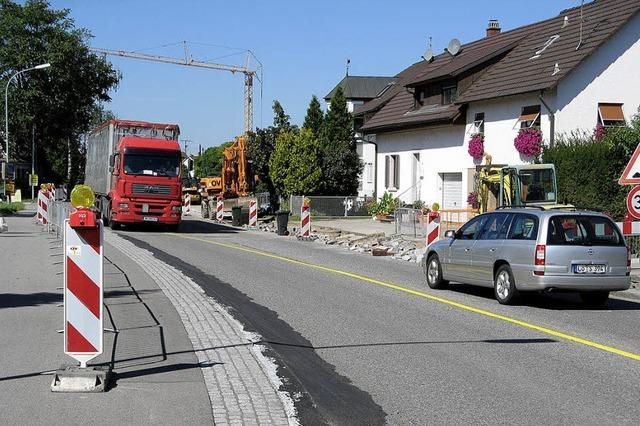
(610, 74)
(502, 126)
(439, 150)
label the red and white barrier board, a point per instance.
(220, 209)
(83, 292)
(433, 227)
(45, 207)
(253, 214)
(305, 221)
(186, 210)
(39, 210)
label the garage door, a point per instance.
(452, 190)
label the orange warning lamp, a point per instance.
(82, 198)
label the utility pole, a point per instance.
(33, 154)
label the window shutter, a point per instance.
(396, 171)
(387, 170)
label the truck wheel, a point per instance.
(114, 225)
(433, 272)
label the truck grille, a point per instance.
(141, 188)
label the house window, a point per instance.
(368, 172)
(478, 123)
(449, 95)
(392, 172)
(610, 115)
(530, 117)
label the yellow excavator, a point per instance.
(517, 185)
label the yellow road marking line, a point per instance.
(418, 293)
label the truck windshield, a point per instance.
(538, 186)
(151, 163)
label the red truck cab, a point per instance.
(146, 186)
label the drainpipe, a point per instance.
(552, 121)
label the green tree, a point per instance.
(209, 163)
(315, 117)
(61, 102)
(341, 163)
(294, 164)
(260, 146)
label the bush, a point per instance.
(588, 170)
(387, 205)
(10, 208)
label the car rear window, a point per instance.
(583, 230)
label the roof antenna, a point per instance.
(348, 63)
(581, 23)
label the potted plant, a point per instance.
(472, 199)
(476, 146)
(529, 142)
(382, 208)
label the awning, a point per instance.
(611, 112)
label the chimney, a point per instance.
(493, 28)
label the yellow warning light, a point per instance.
(82, 196)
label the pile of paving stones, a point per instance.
(376, 244)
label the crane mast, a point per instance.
(189, 61)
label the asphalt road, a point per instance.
(365, 341)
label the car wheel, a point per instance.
(505, 286)
(595, 299)
(433, 272)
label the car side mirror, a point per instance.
(450, 234)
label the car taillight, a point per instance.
(540, 254)
(540, 258)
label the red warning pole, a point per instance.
(83, 285)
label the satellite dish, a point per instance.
(428, 55)
(454, 47)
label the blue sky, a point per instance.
(303, 46)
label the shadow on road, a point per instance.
(14, 300)
(161, 369)
(186, 227)
(550, 301)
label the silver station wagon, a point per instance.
(515, 250)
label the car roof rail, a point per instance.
(521, 206)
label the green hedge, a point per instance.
(588, 170)
(9, 208)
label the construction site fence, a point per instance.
(59, 210)
(413, 223)
(333, 206)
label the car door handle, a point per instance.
(492, 250)
(467, 249)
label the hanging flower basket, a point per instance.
(529, 142)
(476, 146)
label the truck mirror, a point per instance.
(112, 161)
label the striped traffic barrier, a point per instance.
(39, 209)
(253, 214)
(45, 207)
(83, 291)
(433, 227)
(220, 209)
(187, 205)
(305, 221)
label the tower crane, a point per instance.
(249, 74)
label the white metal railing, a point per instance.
(58, 212)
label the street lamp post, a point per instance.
(6, 118)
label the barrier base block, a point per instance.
(72, 378)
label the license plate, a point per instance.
(589, 269)
(149, 219)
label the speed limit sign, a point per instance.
(633, 202)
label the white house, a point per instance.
(359, 90)
(563, 74)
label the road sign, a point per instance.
(33, 179)
(633, 202)
(631, 174)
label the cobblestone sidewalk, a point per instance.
(241, 381)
